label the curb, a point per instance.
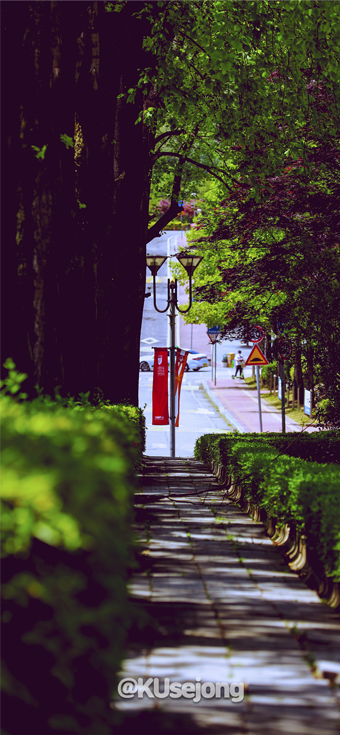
(223, 410)
(294, 545)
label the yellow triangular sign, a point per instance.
(256, 357)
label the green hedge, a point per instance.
(67, 510)
(323, 446)
(302, 493)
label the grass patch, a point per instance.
(296, 415)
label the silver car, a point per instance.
(195, 361)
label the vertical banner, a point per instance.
(160, 408)
(181, 361)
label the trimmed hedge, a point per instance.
(299, 492)
(67, 512)
(323, 446)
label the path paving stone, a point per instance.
(224, 606)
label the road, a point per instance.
(197, 415)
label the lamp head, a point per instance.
(189, 262)
(155, 262)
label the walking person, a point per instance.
(239, 362)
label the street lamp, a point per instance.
(190, 263)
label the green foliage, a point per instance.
(67, 140)
(40, 152)
(67, 502)
(114, 7)
(12, 383)
(325, 409)
(268, 370)
(292, 477)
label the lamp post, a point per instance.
(190, 263)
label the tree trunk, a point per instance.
(76, 274)
(16, 291)
(310, 372)
(298, 379)
(114, 183)
(43, 181)
(268, 346)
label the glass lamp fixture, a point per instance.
(189, 262)
(155, 262)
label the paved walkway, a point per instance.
(240, 406)
(223, 607)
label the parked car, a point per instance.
(195, 361)
(146, 364)
(202, 354)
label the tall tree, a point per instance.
(132, 84)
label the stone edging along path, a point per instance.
(300, 559)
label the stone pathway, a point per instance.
(223, 606)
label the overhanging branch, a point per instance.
(185, 35)
(156, 229)
(210, 169)
(174, 208)
(168, 134)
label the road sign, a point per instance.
(282, 326)
(256, 357)
(255, 334)
(214, 330)
(285, 348)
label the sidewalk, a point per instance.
(224, 607)
(240, 406)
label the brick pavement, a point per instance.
(223, 606)
(242, 405)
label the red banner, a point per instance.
(181, 361)
(160, 409)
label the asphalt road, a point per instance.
(197, 415)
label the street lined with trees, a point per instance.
(116, 116)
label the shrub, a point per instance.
(315, 447)
(300, 492)
(268, 370)
(67, 499)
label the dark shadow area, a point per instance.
(159, 722)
